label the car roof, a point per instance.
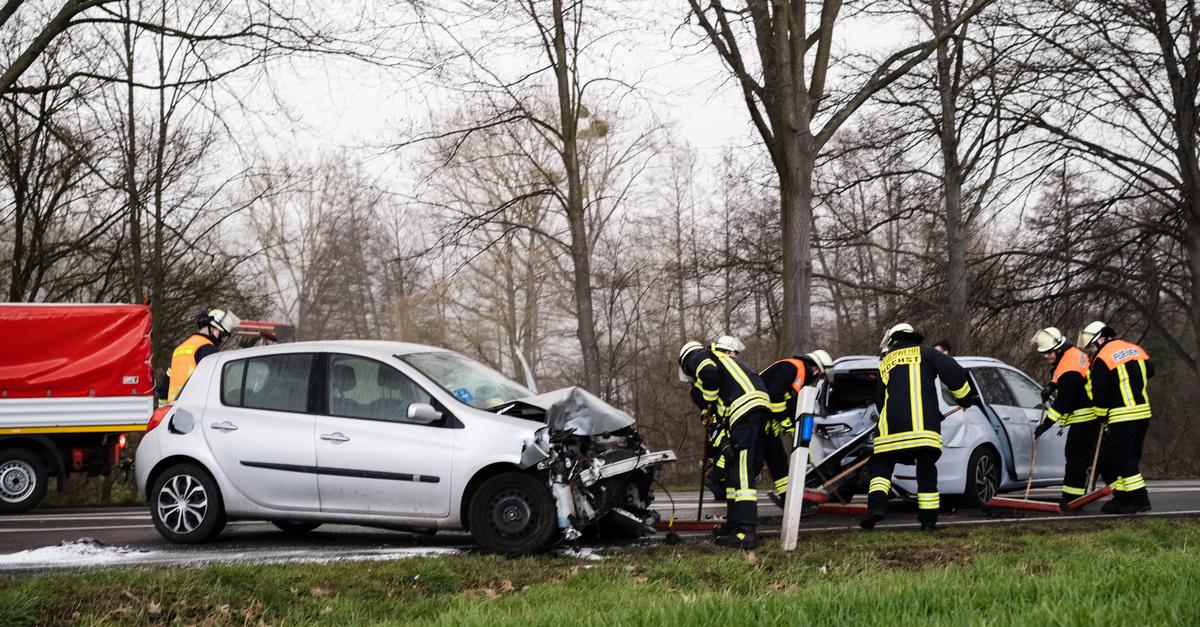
(375, 348)
(848, 363)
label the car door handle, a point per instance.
(224, 425)
(334, 437)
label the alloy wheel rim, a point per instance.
(984, 485)
(182, 504)
(17, 481)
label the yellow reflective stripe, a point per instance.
(183, 350)
(87, 429)
(1054, 414)
(1119, 484)
(728, 494)
(1135, 482)
(781, 485)
(1124, 385)
(743, 475)
(962, 391)
(1082, 415)
(1145, 380)
(749, 494)
(880, 484)
(908, 440)
(1128, 414)
(778, 408)
(736, 372)
(1073, 491)
(720, 462)
(745, 404)
(929, 500)
(883, 423)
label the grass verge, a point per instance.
(1111, 573)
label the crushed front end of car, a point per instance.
(594, 462)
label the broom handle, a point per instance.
(1032, 465)
(1095, 460)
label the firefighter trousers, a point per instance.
(742, 464)
(1080, 450)
(881, 467)
(776, 459)
(1121, 458)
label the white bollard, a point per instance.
(793, 502)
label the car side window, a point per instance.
(1026, 393)
(991, 386)
(231, 382)
(277, 382)
(364, 388)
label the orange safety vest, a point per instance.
(183, 364)
(797, 383)
(1122, 357)
(1074, 360)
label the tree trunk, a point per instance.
(956, 227)
(576, 216)
(135, 217)
(796, 197)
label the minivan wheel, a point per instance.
(295, 527)
(186, 505)
(983, 478)
(22, 480)
(512, 514)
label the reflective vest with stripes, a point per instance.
(733, 387)
(1119, 382)
(183, 364)
(1072, 406)
(910, 416)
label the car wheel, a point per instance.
(983, 478)
(186, 505)
(512, 514)
(295, 527)
(22, 480)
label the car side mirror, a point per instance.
(423, 414)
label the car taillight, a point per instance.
(155, 419)
(121, 441)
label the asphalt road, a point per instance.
(80, 538)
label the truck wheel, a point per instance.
(186, 505)
(512, 514)
(983, 478)
(295, 527)
(22, 480)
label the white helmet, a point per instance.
(1048, 339)
(886, 343)
(223, 320)
(1089, 333)
(821, 360)
(688, 348)
(729, 344)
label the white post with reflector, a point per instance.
(793, 502)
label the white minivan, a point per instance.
(391, 435)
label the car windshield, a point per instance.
(468, 380)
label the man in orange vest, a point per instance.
(1120, 376)
(214, 327)
(784, 379)
(1070, 407)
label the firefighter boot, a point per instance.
(723, 529)
(876, 505)
(1115, 505)
(928, 519)
(1064, 503)
(743, 538)
(1139, 501)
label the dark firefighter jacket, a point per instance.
(725, 385)
(1072, 392)
(784, 379)
(1120, 374)
(909, 416)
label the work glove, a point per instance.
(1042, 428)
(1047, 392)
(787, 425)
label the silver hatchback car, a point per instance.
(391, 435)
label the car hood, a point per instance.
(576, 409)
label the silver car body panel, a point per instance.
(432, 465)
(962, 433)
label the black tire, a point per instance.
(512, 514)
(23, 480)
(186, 505)
(296, 527)
(983, 478)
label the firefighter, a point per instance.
(784, 379)
(1070, 407)
(736, 395)
(212, 328)
(1120, 375)
(910, 421)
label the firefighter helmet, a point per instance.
(1092, 332)
(821, 360)
(687, 350)
(222, 320)
(1048, 339)
(729, 344)
(886, 343)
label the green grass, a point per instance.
(1114, 573)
